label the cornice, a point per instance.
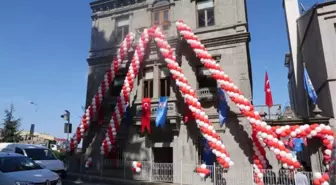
(227, 39)
(108, 8)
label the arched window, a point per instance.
(160, 13)
(205, 13)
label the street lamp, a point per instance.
(33, 103)
(67, 125)
(32, 127)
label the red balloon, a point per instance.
(316, 182)
(325, 177)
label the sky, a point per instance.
(44, 46)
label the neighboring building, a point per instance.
(316, 46)
(37, 138)
(222, 27)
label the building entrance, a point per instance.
(162, 169)
(163, 155)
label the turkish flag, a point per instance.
(268, 92)
(145, 118)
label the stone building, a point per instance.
(223, 28)
(313, 34)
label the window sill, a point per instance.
(160, 7)
(200, 30)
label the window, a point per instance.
(204, 79)
(117, 86)
(19, 151)
(205, 11)
(40, 154)
(15, 164)
(161, 18)
(148, 83)
(164, 82)
(122, 28)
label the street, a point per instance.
(70, 182)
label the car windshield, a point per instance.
(40, 154)
(14, 164)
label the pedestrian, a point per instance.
(300, 178)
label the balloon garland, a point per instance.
(123, 98)
(102, 90)
(308, 131)
(320, 179)
(136, 167)
(202, 171)
(188, 93)
(190, 97)
(264, 136)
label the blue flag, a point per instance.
(161, 112)
(222, 107)
(207, 156)
(309, 86)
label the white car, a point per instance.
(16, 169)
(40, 154)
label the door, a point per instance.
(162, 168)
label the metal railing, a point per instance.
(181, 173)
(287, 177)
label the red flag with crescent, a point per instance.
(145, 118)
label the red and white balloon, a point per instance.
(136, 167)
(202, 171)
(320, 179)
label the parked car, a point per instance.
(40, 154)
(16, 169)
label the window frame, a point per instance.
(122, 28)
(150, 82)
(161, 17)
(167, 87)
(114, 87)
(206, 78)
(205, 11)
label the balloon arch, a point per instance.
(263, 135)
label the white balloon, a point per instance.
(203, 166)
(138, 169)
(134, 163)
(317, 175)
(202, 175)
(325, 183)
(260, 175)
(328, 152)
(231, 163)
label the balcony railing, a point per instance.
(207, 93)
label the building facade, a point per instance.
(316, 35)
(222, 27)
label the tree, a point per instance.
(11, 126)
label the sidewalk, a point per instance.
(77, 178)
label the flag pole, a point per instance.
(269, 112)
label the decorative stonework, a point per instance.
(154, 106)
(105, 5)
